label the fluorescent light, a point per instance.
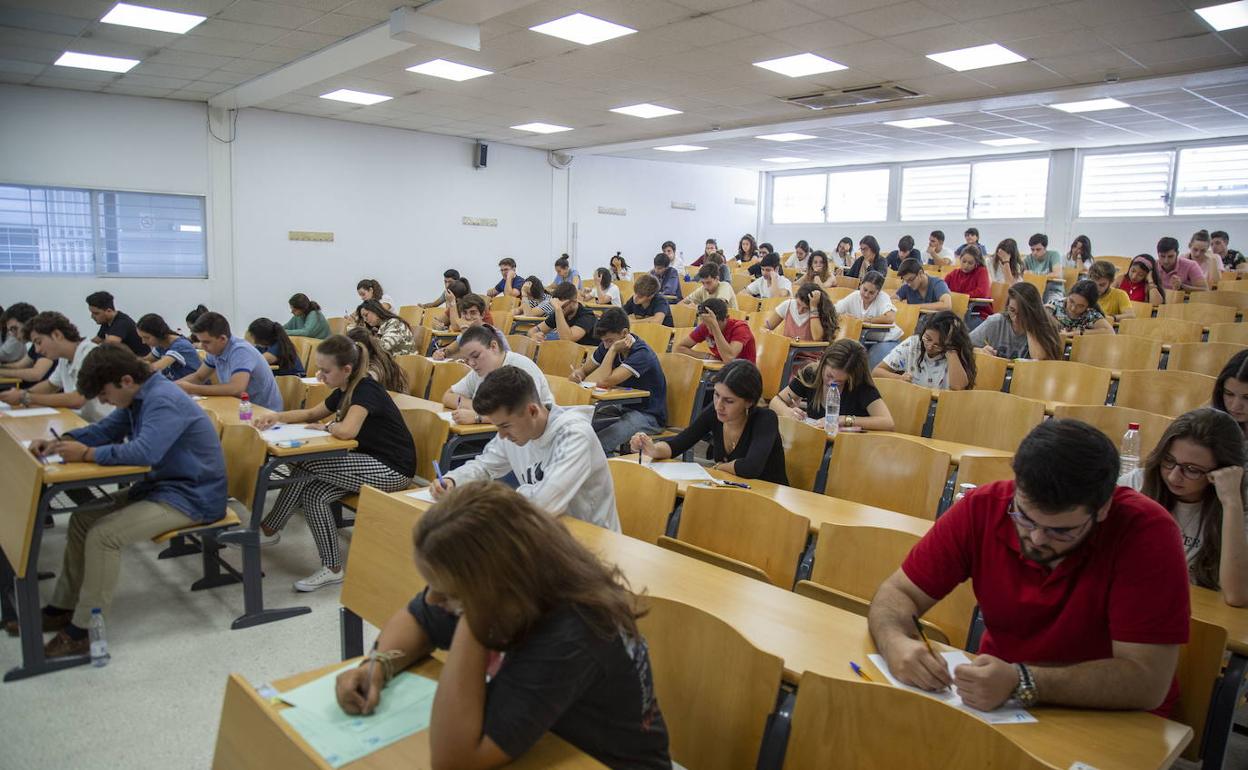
(800, 65)
(89, 61)
(190, 228)
(1009, 141)
(583, 29)
(964, 59)
(646, 111)
(356, 97)
(784, 159)
(786, 137)
(541, 128)
(682, 148)
(127, 15)
(918, 123)
(1091, 105)
(441, 68)
(1226, 16)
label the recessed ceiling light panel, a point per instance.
(449, 70)
(918, 123)
(90, 61)
(785, 137)
(682, 148)
(801, 65)
(646, 111)
(978, 57)
(356, 97)
(1090, 105)
(1009, 141)
(583, 29)
(541, 128)
(1226, 16)
(127, 15)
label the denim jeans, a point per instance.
(620, 431)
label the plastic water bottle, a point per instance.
(963, 491)
(1129, 455)
(832, 409)
(244, 409)
(99, 645)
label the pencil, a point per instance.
(923, 636)
(858, 670)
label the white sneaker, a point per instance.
(319, 579)
(267, 540)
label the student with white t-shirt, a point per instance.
(940, 357)
(809, 316)
(1196, 472)
(771, 283)
(870, 303)
(602, 291)
(480, 349)
(55, 337)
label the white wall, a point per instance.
(646, 190)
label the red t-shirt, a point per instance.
(1137, 292)
(1128, 581)
(734, 331)
(975, 284)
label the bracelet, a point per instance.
(385, 660)
(25, 398)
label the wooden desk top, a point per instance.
(404, 401)
(955, 449)
(226, 409)
(254, 737)
(32, 428)
(1208, 606)
(617, 394)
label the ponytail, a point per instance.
(267, 332)
(346, 352)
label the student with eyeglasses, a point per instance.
(1196, 472)
(1082, 584)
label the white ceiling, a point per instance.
(691, 55)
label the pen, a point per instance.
(858, 670)
(55, 435)
(438, 472)
(922, 635)
(738, 484)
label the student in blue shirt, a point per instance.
(565, 273)
(274, 344)
(919, 288)
(239, 366)
(632, 364)
(667, 276)
(154, 424)
(647, 302)
(511, 282)
(171, 354)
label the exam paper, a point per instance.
(284, 432)
(681, 471)
(422, 494)
(38, 411)
(954, 659)
(46, 459)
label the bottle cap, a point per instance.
(1133, 426)
(245, 397)
(96, 611)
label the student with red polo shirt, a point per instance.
(728, 338)
(1082, 585)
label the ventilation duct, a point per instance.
(853, 97)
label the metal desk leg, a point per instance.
(787, 371)
(351, 629)
(1221, 718)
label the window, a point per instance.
(85, 232)
(1009, 189)
(798, 199)
(935, 192)
(1134, 184)
(1212, 180)
(858, 196)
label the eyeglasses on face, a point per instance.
(1061, 534)
(1189, 471)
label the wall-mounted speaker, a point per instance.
(480, 155)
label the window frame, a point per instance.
(1176, 149)
(826, 172)
(98, 258)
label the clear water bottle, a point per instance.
(963, 491)
(244, 409)
(832, 409)
(1129, 455)
(99, 645)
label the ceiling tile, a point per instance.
(273, 14)
(818, 35)
(896, 19)
(259, 34)
(79, 9)
(189, 59)
(42, 22)
(966, 10)
(340, 25)
(1024, 24)
(276, 54)
(1095, 13)
(769, 15)
(305, 41)
(1128, 31)
(129, 90)
(214, 46)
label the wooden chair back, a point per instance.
(960, 303)
(1236, 286)
(1116, 351)
(980, 470)
(503, 302)
(24, 475)
(643, 499)
(1000, 293)
(626, 287)
(740, 281)
(911, 481)
(1202, 357)
(1164, 391)
(747, 302)
(522, 344)
(1143, 309)
(684, 380)
(1113, 421)
(445, 374)
(419, 371)
(217, 425)
(847, 282)
(1039, 280)
(770, 304)
(291, 388)
(429, 435)
(986, 418)
(1235, 299)
(337, 325)
(684, 315)
(838, 292)
(245, 451)
(657, 336)
(1070, 276)
(380, 574)
(907, 403)
(435, 318)
(803, 452)
(907, 318)
(306, 348)
(989, 371)
(850, 328)
(567, 392)
(1200, 666)
(1236, 332)
(713, 720)
(854, 560)
(1203, 314)
(1162, 329)
(1063, 381)
(772, 351)
(558, 357)
(420, 338)
(503, 321)
(413, 314)
(738, 314)
(1121, 264)
(850, 723)
(745, 526)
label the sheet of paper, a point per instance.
(681, 471)
(198, 398)
(954, 659)
(447, 416)
(4, 407)
(46, 459)
(422, 494)
(309, 381)
(38, 411)
(284, 432)
(405, 708)
(588, 385)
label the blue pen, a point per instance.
(735, 484)
(858, 670)
(438, 472)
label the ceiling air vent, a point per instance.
(853, 97)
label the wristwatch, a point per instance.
(1026, 693)
(25, 398)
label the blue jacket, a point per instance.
(167, 430)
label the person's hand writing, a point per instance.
(913, 664)
(70, 451)
(264, 421)
(986, 682)
(641, 442)
(439, 488)
(464, 416)
(41, 446)
(357, 695)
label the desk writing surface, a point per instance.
(1209, 606)
(226, 408)
(954, 449)
(618, 394)
(35, 428)
(404, 401)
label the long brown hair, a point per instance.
(1222, 436)
(511, 564)
(826, 309)
(849, 355)
(381, 365)
(346, 352)
(1035, 319)
(953, 336)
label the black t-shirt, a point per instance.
(658, 304)
(585, 319)
(565, 677)
(122, 326)
(383, 435)
(853, 402)
(759, 453)
(859, 270)
(894, 258)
